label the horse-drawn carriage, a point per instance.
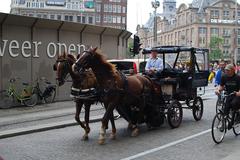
(139, 98)
(178, 84)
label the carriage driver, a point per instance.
(231, 83)
(154, 64)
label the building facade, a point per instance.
(110, 13)
(194, 26)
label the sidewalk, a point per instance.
(18, 115)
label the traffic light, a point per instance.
(136, 45)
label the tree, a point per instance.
(215, 51)
(129, 53)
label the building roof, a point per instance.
(201, 4)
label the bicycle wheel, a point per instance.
(6, 100)
(236, 126)
(49, 98)
(197, 108)
(218, 128)
(219, 105)
(31, 101)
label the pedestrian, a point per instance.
(219, 73)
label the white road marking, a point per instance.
(166, 145)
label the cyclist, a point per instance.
(231, 83)
(154, 64)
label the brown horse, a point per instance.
(126, 93)
(81, 82)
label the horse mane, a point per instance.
(103, 61)
(65, 55)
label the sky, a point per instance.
(138, 11)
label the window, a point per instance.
(202, 30)
(41, 5)
(98, 7)
(114, 19)
(105, 7)
(123, 20)
(214, 13)
(238, 41)
(226, 41)
(98, 18)
(59, 17)
(225, 13)
(109, 19)
(226, 32)
(83, 19)
(105, 19)
(119, 9)
(39, 15)
(123, 9)
(109, 8)
(66, 18)
(202, 40)
(70, 18)
(78, 19)
(114, 9)
(69, 6)
(45, 16)
(118, 19)
(52, 16)
(90, 20)
(214, 31)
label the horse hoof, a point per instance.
(113, 136)
(85, 138)
(135, 132)
(101, 141)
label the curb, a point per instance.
(41, 128)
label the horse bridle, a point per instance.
(80, 67)
(66, 66)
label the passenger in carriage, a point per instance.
(154, 64)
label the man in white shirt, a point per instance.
(154, 64)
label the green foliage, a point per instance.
(129, 54)
(215, 51)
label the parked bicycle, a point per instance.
(49, 92)
(221, 121)
(26, 96)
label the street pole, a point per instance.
(155, 5)
(236, 33)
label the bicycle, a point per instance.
(49, 92)
(219, 103)
(221, 122)
(25, 97)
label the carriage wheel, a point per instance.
(174, 114)
(197, 108)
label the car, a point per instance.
(131, 66)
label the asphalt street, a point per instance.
(192, 140)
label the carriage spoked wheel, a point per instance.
(174, 114)
(197, 109)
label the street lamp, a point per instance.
(236, 33)
(155, 5)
